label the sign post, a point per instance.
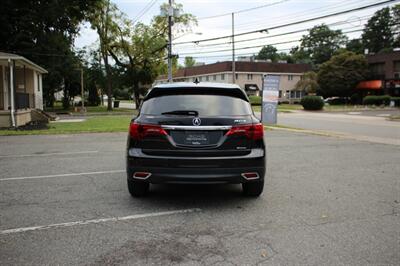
(270, 95)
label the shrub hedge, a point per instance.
(376, 100)
(312, 103)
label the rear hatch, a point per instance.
(196, 123)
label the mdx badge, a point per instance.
(196, 121)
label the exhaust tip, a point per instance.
(250, 175)
(141, 175)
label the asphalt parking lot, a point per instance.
(328, 201)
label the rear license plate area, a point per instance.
(195, 138)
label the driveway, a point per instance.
(328, 201)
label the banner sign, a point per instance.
(270, 95)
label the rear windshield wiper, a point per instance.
(181, 112)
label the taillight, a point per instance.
(141, 131)
(254, 132)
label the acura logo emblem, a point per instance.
(196, 121)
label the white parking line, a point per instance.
(96, 221)
(45, 154)
(62, 175)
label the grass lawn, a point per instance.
(281, 107)
(115, 123)
(89, 109)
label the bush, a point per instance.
(355, 99)
(376, 100)
(255, 100)
(312, 103)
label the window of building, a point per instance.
(249, 76)
(207, 78)
(292, 94)
(280, 94)
(236, 76)
(396, 69)
(200, 78)
(396, 66)
(377, 68)
(222, 76)
(38, 82)
(290, 77)
(299, 94)
(215, 77)
(288, 94)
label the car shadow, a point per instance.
(204, 196)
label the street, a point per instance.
(370, 126)
(330, 201)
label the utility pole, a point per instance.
(170, 13)
(82, 96)
(233, 49)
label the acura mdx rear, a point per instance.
(196, 133)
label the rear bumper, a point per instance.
(197, 169)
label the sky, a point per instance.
(266, 13)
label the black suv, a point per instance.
(196, 133)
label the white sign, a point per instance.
(270, 95)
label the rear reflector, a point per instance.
(141, 175)
(251, 175)
(141, 131)
(254, 131)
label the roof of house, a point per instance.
(241, 66)
(7, 56)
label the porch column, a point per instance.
(12, 89)
(5, 88)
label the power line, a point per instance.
(293, 23)
(256, 46)
(242, 54)
(298, 15)
(144, 10)
(243, 10)
(280, 34)
(253, 53)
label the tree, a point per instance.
(378, 34)
(308, 83)
(286, 57)
(340, 75)
(355, 46)
(104, 20)
(268, 52)
(189, 61)
(396, 25)
(140, 50)
(44, 32)
(319, 44)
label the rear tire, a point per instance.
(138, 189)
(253, 189)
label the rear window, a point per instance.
(205, 105)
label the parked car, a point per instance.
(196, 133)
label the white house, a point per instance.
(21, 89)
